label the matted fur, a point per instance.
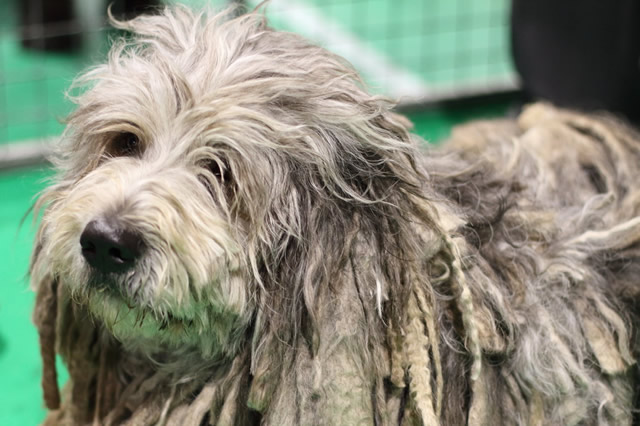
(305, 263)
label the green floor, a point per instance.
(32, 86)
(20, 403)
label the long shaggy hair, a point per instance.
(298, 260)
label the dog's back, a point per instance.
(549, 248)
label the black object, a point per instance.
(52, 25)
(127, 9)
(583, 54)
(110, 247)
(48, 25)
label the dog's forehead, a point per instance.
(177, 97)
(238, 85)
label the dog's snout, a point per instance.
(109, 246)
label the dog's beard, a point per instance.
(161, 321)
(157, 322)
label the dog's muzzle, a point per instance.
(109, 246)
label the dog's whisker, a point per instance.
(164, 324)
(115, 320)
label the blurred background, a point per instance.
(445, 61)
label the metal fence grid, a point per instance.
(413, 50)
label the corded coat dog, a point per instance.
(239, 233)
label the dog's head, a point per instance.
(213, 169)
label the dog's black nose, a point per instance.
(109, 246)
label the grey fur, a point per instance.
(328, 272)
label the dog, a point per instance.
(239, 233)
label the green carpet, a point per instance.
(21, 402)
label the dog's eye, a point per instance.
(219, 169)
(125, 144)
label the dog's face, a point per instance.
(196, 156)
(142, 240)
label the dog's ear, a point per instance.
(385, 161)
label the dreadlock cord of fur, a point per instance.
(398, 356)
(430, 323)
(166, 406)
(45, 318)
(418, 343)
(465, 304)
(107, 384)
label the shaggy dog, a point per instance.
(240, 234)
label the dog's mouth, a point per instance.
(114, 285)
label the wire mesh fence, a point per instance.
(412, 50)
